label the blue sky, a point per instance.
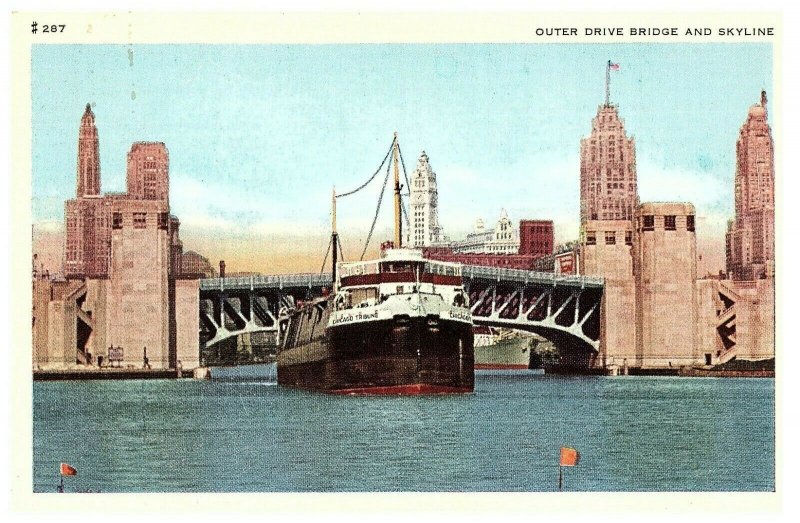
(258, 134)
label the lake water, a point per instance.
(634, 434)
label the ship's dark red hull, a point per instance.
(404, 390)
(387, 357)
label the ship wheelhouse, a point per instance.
(401, 272)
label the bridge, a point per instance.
(562, 309)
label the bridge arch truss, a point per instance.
(563, 309)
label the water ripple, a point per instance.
(634, 434)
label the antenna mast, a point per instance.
(608, 83)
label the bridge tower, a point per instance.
(665, 265)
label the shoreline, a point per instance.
(156, 374)
(109, 374)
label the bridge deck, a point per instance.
(469, 272)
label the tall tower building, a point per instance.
(750, 241)
(425, 229)
(608, 169)
(88, 217)
(609, 199)
(87, 241)
(148, 171)
(88, 156)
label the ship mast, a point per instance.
(398, 224)
(334, 240)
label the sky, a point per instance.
(259, 135)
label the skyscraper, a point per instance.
(609, 196)
(87, 246)
(750, 240)
(425, 229)
(148, 171)
(90, 215)
(88, 156)
(608, 169)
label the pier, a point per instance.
(108, 373)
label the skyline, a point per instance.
(520, 114)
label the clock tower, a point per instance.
(424, 216)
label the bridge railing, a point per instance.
(468, 272)
(520, 275)
(306, 279)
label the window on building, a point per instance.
(628, 237)
(669, 223)
(139, 220)
(163, 221)
(116, 220)
(611, 238)
(690, 223)
(648, 222)
(591, 238)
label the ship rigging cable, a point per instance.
(378, 209)
(371, 177)
(341, 251)
(403, 211)
(325, 260)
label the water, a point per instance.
(634, 434)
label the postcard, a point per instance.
(451, 253)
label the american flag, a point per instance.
(613, 67)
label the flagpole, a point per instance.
(560, 478)
(608, 82)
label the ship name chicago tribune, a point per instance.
(350, 318)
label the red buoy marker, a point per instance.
(569, 458)
(66, 470)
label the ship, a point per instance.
(504, 349)
(400, 324)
